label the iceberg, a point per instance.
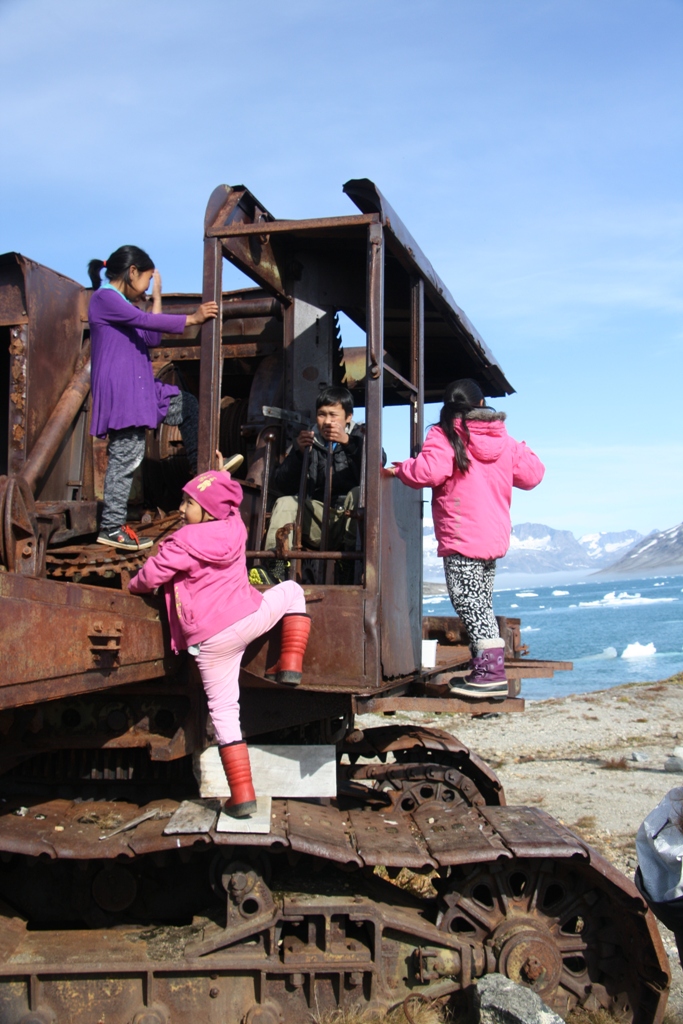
(638, 650)
(614, 600)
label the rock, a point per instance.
(673, 763)
(501, 1001)
(637, 755)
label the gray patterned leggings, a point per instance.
(127, 450)
(470, 588)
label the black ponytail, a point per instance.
(118, 265)
(460, 397)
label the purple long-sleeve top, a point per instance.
(124, 392)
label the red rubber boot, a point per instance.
(235, 761)
(296, 629)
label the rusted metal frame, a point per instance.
(320, 556)
(235, 350)
(437, 705)
(367, 196)
(402, 380)
(211, 359)
(373, 442)
(19, 694)
(18, 396)
(360, 511)
(327, 505)
(61, 418)
(282, 226)
(417, 363)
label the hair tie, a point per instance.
(104, 263)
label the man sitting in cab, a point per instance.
(334, 423)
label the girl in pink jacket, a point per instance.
(471, 463)
(214, 612)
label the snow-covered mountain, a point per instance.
(604, 548)
(535, 548)
(661, 549)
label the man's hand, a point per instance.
(305, 440)
(334, 430)
(207, 311)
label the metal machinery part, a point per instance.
(417, 878)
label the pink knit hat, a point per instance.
(216, 492)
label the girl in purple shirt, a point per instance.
(126, 399)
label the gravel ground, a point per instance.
(573, 757)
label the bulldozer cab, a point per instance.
(367, 267)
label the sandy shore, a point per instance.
(573, 757)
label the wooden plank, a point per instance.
(280, 770)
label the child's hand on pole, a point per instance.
(207, 311)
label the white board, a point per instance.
(279, 770)
(257, 823)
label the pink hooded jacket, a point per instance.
(471, 510)
(204, 573)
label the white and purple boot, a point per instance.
(487, 679)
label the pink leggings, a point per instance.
(220, 656)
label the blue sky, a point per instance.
(533, 147)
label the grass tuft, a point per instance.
(616, 764)
(431, 1012)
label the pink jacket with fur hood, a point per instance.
(471, 510)
(203, 570)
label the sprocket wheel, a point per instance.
(560, 928)
(410, 786)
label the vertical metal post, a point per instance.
(373, 441)
(417, 367)
(328, 574)
(211, 358)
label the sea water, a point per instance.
(614, 631)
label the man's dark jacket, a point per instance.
(346, 467)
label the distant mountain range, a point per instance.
(661, 549)
(535, 548)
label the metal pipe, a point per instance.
(61, 418)
(303, 488)
(417, 371)
(315, 556)
(269, 437)
(263, 306)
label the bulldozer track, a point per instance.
(308, 923)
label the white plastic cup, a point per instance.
(429, 653)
